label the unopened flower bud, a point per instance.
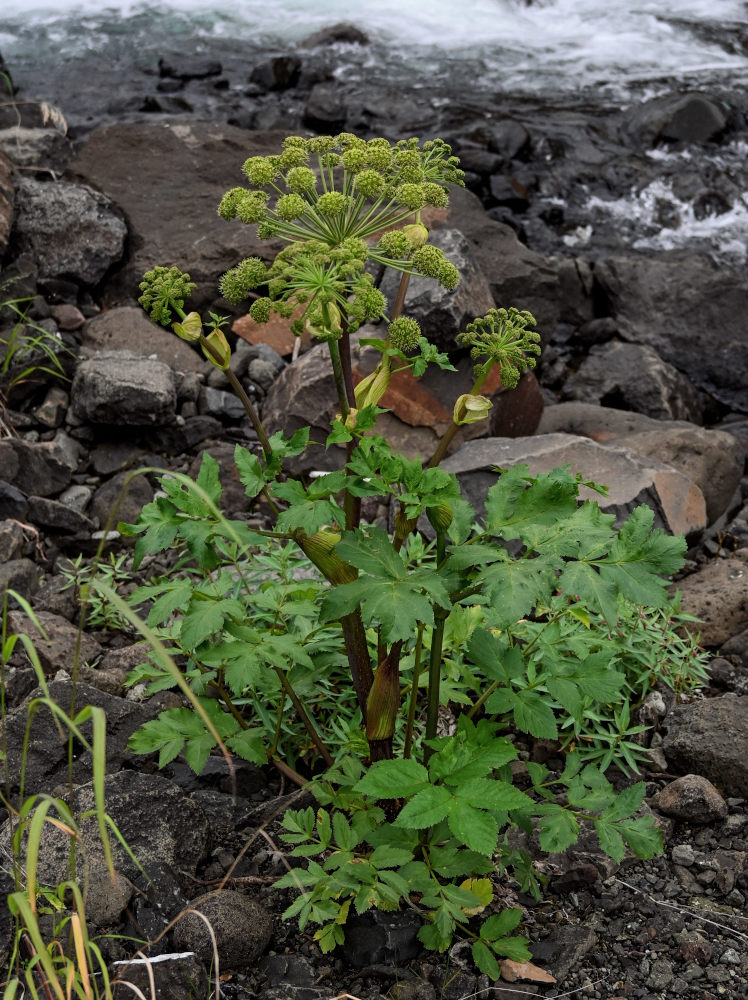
(440, 516)
(190, 328)
(416, 234)
(470, 409)
(370, 390)
(319, 549)
(216, 349)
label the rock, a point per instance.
(220, 404)
(683, 854)
(38, 467)
(122, 388)
(128, 329)
(664, 304)
(188, 67)
(661, 975)
(13, 503)
(68, 316)
(691, 799)
(121, 498)
(57, 651)
(677, 502)
(16, 541)
(277, 73)
(175, 977)
(341, 32)
(710, 738)
(263, 372)
(565, 947)
(71, 230)
(21, 575)
(52, 411)
(6, 201)
(717, 594)
(276, 333)
(516, 275)
(325, 109)
(55, 517)
(688, 118)
(441, 313)
(378, 936)
(242, 929)
(634, 377)
(128, 162)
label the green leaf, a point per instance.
(485, 959)
(626, 803)
(610, 839)
(500, 924)
(586, 584)
(393, 779)
(642, 836)
(390, 857)
(251, 473)
(557, 831)
(249, 744)
(202, 619)
(473, 827)
(486, 793)
(514, 588)
(533, 715)
(426, 808)
(208, 478)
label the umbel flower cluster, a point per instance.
(329, 197)
(502, 337)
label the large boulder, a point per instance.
(710, 738)
(33, 135)
(690, 312)
(168, 179)
(677, 502)
(717, 594)
(72, 231)
(129, 329)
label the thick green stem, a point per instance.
(243, 397)
(357, 651)
(401, 293)
(338, 375)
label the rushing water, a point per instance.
(538, 46)
(618, 52)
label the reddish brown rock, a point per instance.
(692, 798)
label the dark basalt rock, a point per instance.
(278, 73)
(341, 32)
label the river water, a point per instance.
(615, 52)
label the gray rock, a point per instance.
(325, 109)
(637, 378)
(683, 854)
(277, 73)
(38, 467)
(128, 328)
(341, 32)
(717, 594)
(264, 372)
(692, 799)
(563, 949)
(204, 161)
(7, 197)
(14, 541)
(220, 404)
(664, 304)
(678, 503)
(72, 231)
(52, 411)
(241, 926)
(33, 135)
(121, 498)
(441, 313)
(691, 118)
(47, 759)
(13, 502)
(711, 738)
(661, 975)
(379, 937)
(57, 651)
(121, 388)
(21, 575)
(55, 517)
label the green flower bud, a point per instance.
(354, 159)
(321, 144)
(428, 260)
(440, 516)
(379, 154)
(293, 156)
(435, 195)
(330, 160)
(370, 390)
(267, 230)
(216, 349)
(260, 309)
(236, 283)
(410, 195)
(394, 244)
(297, 327)
(297, 140)
(470, 409)
(416, 233)
(252, 207)
(301, 180)
(404, 334)
(190, 328)
(260, 170)
(164, 289)
(368, 302)
(290, 207)
(319, 549)
(369, 183)
(408, 166)
(331, 204)
(227, 205)
(449, 276)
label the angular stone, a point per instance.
(128, 328)
(71, 230)
(52, 411)
(637, 378)
(442, 313)
(40, 149)
(710, 738)
(717, 594)
(41, 467)
(325, 109)
(21, 575)
(122, 388)
(241, 926)
(68, 316)
(563, 949)
(688, 118)
(53, 516)
(13, 541)
(121, 498)
(57, 651)
(340, 32)
(175, 977)
(277, 73)
(692, 799)
(677, 502)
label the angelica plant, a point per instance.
(410, 810)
